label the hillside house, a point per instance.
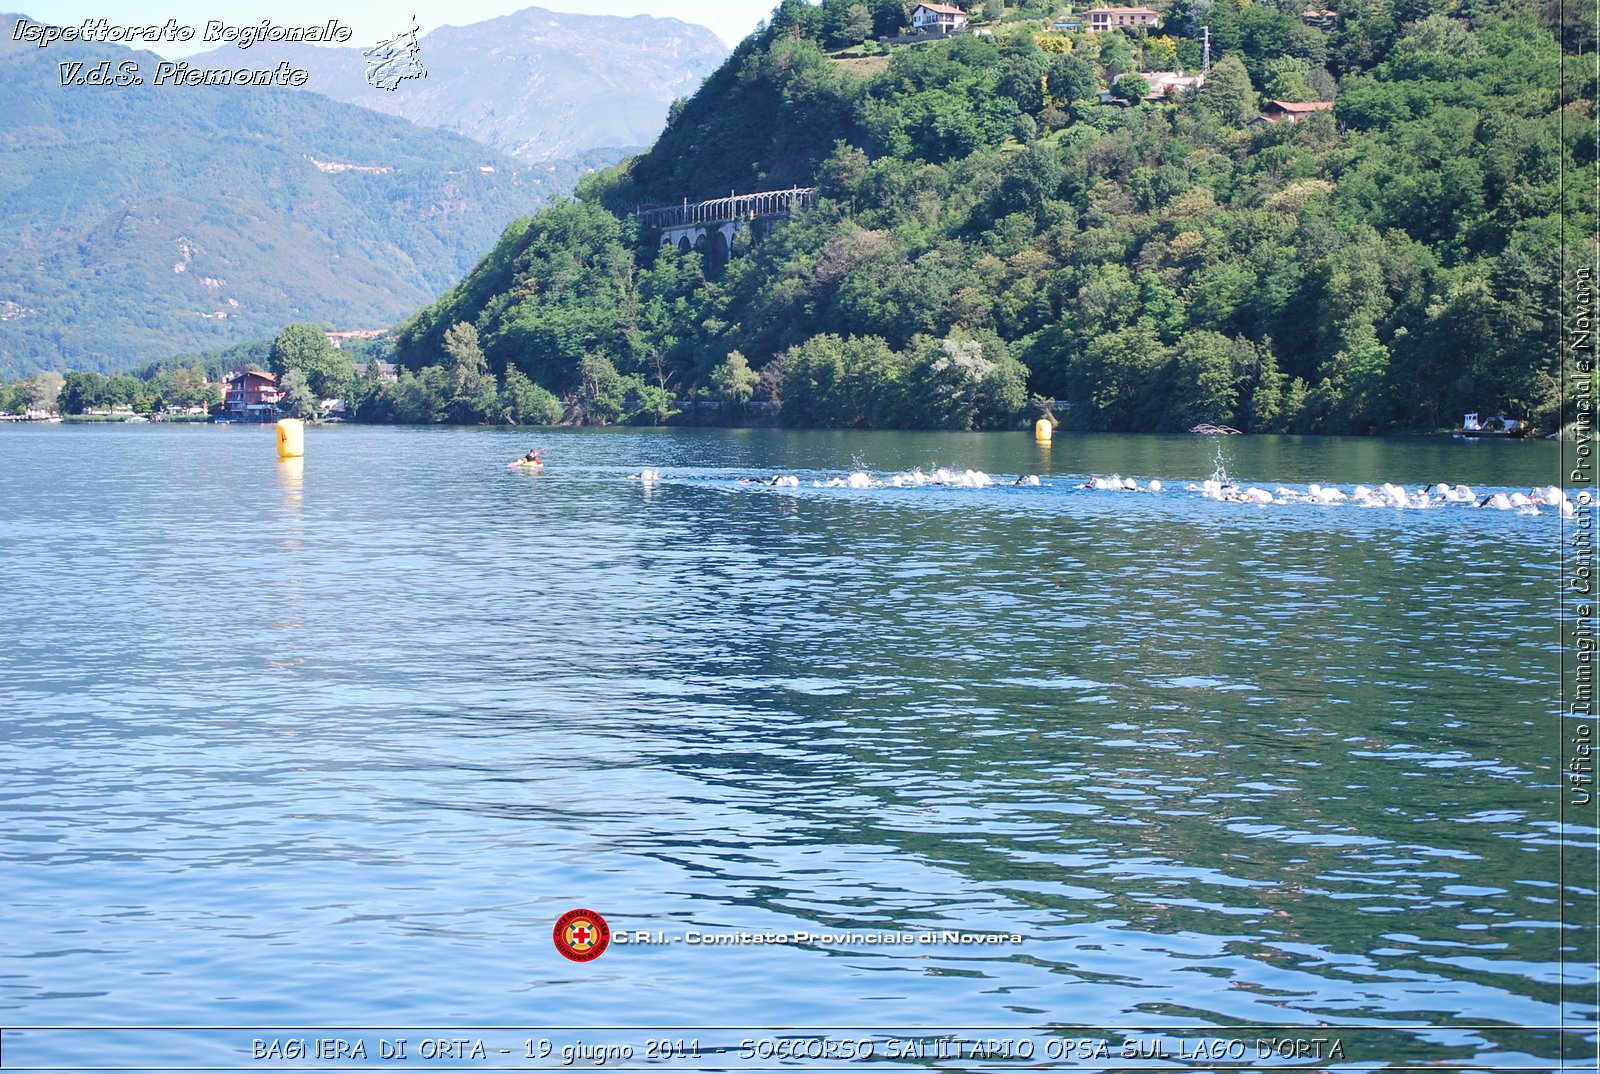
(937, 19)
(1102, 19)
(339, 339)
(250, 395)
(1164, 86)
(1169, 85)
(387, 371)
(1279, 111)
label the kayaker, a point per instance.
(532, 457)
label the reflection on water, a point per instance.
(287, 584)
(356, 734)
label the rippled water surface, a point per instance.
(336, 743)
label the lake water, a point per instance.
(335, 743)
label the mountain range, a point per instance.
(537, 85)
(145, 221)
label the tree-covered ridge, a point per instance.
(983, 223)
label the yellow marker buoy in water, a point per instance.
(291, 438)
(1042, 430)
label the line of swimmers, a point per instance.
(1386, 495)
(912, 479)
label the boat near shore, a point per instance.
(1496, 428)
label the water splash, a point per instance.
(1219, 469)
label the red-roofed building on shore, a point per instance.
(937, 19)
(250, 395)
(1102, 19)
(1278, 111)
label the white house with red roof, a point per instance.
(937, 19)
(1102, 19)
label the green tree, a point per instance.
(1288, 79)
(1116, 55)
(1206, 381)
(421, 398)
(845, 22)
(329, 372)
(1263, 412)
(1002, 395)
(298, 400)
(888, 17)
(648, 404)
(1296, 416)
(44, 390)
(82, 391)
(1131, 87)
(372, 402)
(1162, 306)
(1413, 10)
(127, 390)
(1349, 396)
(733, 382)
(857, 24)
(473, 397)
(834, 382)
(181, 386)
(527, 403)
(1160, 54)
(1116, 381)
(601, 394)
(1227, 93)
(1022, 79)
(949, 375)
(1072, 78)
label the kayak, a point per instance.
(524, 464)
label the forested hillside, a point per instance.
(987, 229)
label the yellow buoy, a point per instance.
(291, 438)
(1042, 430)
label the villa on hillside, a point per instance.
(1102, 19)
(1278, 111)
(387, 371)
(250, 395)
(339, 339)
(1164, 86)
(1168, 85)
(938, 19)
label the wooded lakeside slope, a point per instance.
(985, 229)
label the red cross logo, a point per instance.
(582, 935)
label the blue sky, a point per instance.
(373, 20)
